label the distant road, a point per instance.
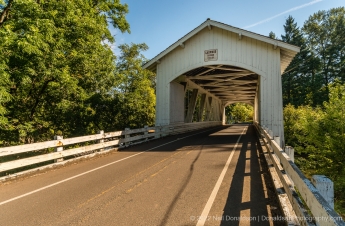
(213, 173)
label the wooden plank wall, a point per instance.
(247, 53)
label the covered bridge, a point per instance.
(222, 65)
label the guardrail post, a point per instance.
(101, 140)
(290, 152)
(146, 132)
(157, 131)
(59, 148)
(127, 136)
(325, 187)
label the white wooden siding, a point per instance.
(247, 53)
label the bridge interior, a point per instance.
(229, 83)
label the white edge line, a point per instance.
(205, 212)
(90, 171)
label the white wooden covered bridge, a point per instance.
(224, 65)
(219, 65)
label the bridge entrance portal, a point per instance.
(217, 65)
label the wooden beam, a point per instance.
(226, 69)
(209, 70)
(232, 82)
(227, 87)
(222, 90)
(216, 76)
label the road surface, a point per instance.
(214, 176)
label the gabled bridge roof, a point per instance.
(287, 51)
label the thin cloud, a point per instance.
(287, 11)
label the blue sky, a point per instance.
(160, 23)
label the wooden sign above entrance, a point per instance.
(211, 55)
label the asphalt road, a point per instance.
(209, 177)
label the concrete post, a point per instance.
(127, 136)
(270, 132)
(60, 147)
(101, 140)
(290, 152)
(325, 187)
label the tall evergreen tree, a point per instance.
(294, 78)
(324, 32)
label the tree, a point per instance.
(272, 35)
(54, 56)
(333, 129)
(136, 88)
(298, 79)
(324, 32)
(240, 112)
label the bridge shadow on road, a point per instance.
(251, 198)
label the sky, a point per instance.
(160, 23)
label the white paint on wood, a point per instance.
(319, 207)
(290, 151)
(176, 103)
(325, 186)
(59, 146)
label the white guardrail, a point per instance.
(292, 185)
(102, 142)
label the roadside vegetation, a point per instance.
(314, 97)
(239, 112)
(59, 75)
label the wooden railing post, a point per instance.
(101, 140)
(60, 147)
(290, 152)
(325, 187)
(127, 136)
(277, 140)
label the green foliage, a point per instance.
(321, 60)
(317, 134)
(272, 35)
(239, 112)
(135, 89)
(54, 58)
(314, 78)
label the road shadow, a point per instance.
(247, 203)
(175, 142)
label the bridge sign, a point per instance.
(211, 55)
